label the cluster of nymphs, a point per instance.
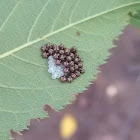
(64, 63)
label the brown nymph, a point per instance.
(69, 58)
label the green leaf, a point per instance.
(25, 84)
(135, 19)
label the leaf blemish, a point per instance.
(78, 33)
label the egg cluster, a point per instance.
(55, 70)
(64, 63)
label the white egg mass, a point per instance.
(56, 71)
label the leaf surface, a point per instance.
(135, 20)
(25, 84)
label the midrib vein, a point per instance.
(62, 29)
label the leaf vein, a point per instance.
(61, 29)
(36, 20)
(7, 19)
(21, 59)
(70, 18)
(55, 21)
(11, 69)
